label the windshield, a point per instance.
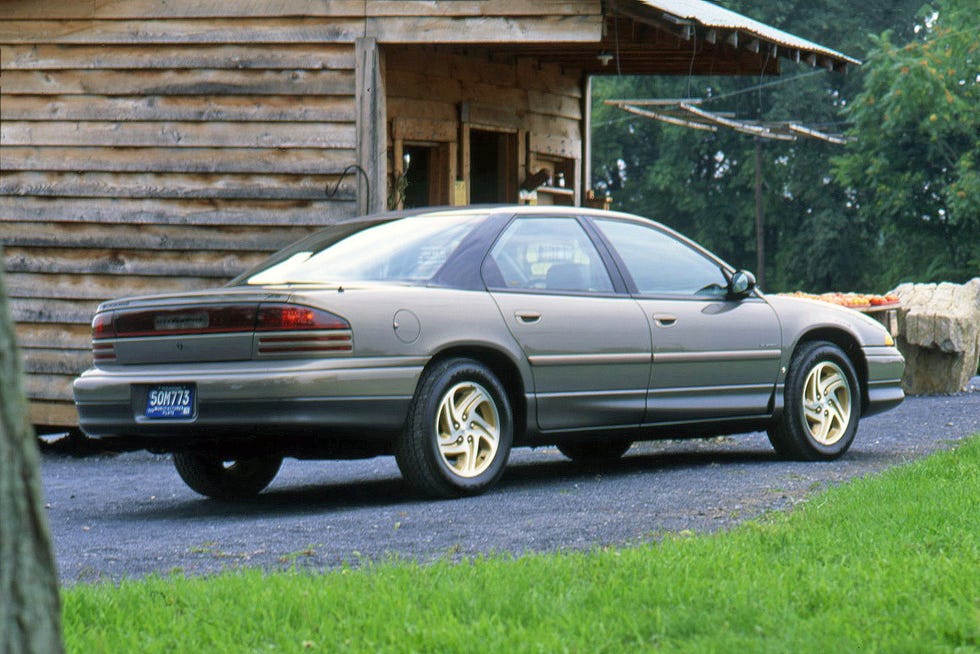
(407, 250)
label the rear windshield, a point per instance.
(407, 250)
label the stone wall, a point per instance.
(939, 335)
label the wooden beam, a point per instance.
(179, 82)
(666, 118)
(497, 29)
(233, 238)
(215, 31)
(130, 263)
(299, 161)
(174, 212)
(585, 183)
(281, 56)
(44, 235)
(178, 135)
(211, 109)
(372, 138)
(176, 186)
(737, 125)
(164, 9)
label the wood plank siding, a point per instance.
(166, 145)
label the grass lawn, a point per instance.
(884, 564)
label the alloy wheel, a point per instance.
(468, 428)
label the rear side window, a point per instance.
(408, 250)
(660, 264)
(547, 254)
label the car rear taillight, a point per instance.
(289, 329)
(102, 326)
(103, 329)
(290, 317)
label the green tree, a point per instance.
(703, 183)
(912, 170)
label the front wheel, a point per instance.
(459, 430)
(226, 479)
(822, 405)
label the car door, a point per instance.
(588, 344)
(714, 356)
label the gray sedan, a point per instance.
(446, 337)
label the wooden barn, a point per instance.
(159, 145)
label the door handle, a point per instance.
(527, 317)
(664, 320)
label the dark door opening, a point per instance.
(418, 177)
(427, 177)
(493, 167)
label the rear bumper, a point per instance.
(884, 386)
(365, 397)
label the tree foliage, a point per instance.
(913, 168)
(821, 232)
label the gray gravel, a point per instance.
(130, 515)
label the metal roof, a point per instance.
(711, 16)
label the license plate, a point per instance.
(170, 402)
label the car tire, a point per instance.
(595, 451)
(226, 479)
(822, 405)
(459, 430)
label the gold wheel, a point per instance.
(468, 429)
(827, 403)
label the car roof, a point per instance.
(509, 209)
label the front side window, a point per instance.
(660, 264)
(547, 254)
(408, 250)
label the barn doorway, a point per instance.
(427, 174)
(493, 166)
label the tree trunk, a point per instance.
(30, 611)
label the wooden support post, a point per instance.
(584, 184)
(371, 127)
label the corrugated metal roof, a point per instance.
(711, 15)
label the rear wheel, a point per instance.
(822, 405)
(226, 479)
(459, 431)
(595, 451)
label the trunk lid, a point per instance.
(212, 326)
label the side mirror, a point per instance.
(741, 283)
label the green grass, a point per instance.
(884, 564)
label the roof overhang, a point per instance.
(684, 37)
(698, 18)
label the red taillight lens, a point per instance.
(287, 317)
(102, 326)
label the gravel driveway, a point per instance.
(130, 515)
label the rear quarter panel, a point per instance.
(384, 319)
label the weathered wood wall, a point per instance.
(163, 145)
(153, 156)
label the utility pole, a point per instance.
(760, 239)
